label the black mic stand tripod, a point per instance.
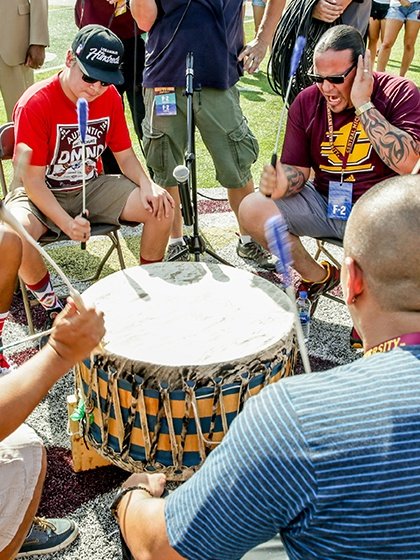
(195, 244)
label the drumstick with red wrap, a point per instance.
(82, 120)
(279, 244)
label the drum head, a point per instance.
(176, 316)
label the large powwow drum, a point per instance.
(186, 345)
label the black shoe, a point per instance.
(47, 326)
(254, 252)
(355, 340)
(48, 535)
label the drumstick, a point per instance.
(278, 243)
(296, 56)
(416, 168)
(82, 119)
(23, 153)
(26, 339)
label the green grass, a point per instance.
(260, 105)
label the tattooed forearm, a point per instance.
(397, 148)
(295, 179)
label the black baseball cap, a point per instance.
(99, 52)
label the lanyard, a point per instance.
(403, 340)
(350, 141)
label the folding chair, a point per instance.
(322, 249)
(7, 142)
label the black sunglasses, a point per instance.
(332, 79)
(90, 80)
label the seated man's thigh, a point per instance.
(20, 469)
(106, 198)
(26, 213)
(306, 215)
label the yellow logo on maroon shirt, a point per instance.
(359, 157)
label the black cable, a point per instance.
(296, 20)
(168, 44)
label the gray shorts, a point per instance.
(306, 214)
(20, 467)
(223, 128)
(106, 197)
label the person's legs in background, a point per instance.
(394, 23)
(412, 26)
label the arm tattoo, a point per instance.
(393, 145)
(295, 178)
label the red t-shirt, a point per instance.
(306, 142)
(46, 120)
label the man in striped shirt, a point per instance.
(329, 460)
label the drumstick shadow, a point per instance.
(139, 291)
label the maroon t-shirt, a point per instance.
(306, 142)
(102, 13)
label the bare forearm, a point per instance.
(45, 201)
(295, 179)
(23, 389)
(272, 14)
(144, 12)
(132, 168)
(398, 149)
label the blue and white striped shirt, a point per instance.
(330, 460)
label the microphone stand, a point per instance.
(195, 244)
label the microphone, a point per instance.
(181, 174)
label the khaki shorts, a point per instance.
(106, 197)
(223, 128)
(20, 468)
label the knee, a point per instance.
(249, 209)
(10, 246)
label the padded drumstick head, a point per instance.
(82, 117)
(279, 244)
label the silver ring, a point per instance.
(365, 71)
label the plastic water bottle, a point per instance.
(303, 306)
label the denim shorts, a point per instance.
(260, 3)
(379, 10)
(401, 13)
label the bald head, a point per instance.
(383, 237)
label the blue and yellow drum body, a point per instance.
(186, 345)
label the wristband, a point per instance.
(365, 107)
(121, 493)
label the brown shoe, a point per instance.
(317, 289)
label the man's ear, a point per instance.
(69, 58)
(354, 280)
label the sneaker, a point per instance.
(254, 252)
(47, 326)
(177, 252)
(317, 289)
(48, 535)
(355, 340)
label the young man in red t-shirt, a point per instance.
(50, 197)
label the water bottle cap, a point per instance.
(303, 294)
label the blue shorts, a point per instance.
(260, 3)
(401, 13)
